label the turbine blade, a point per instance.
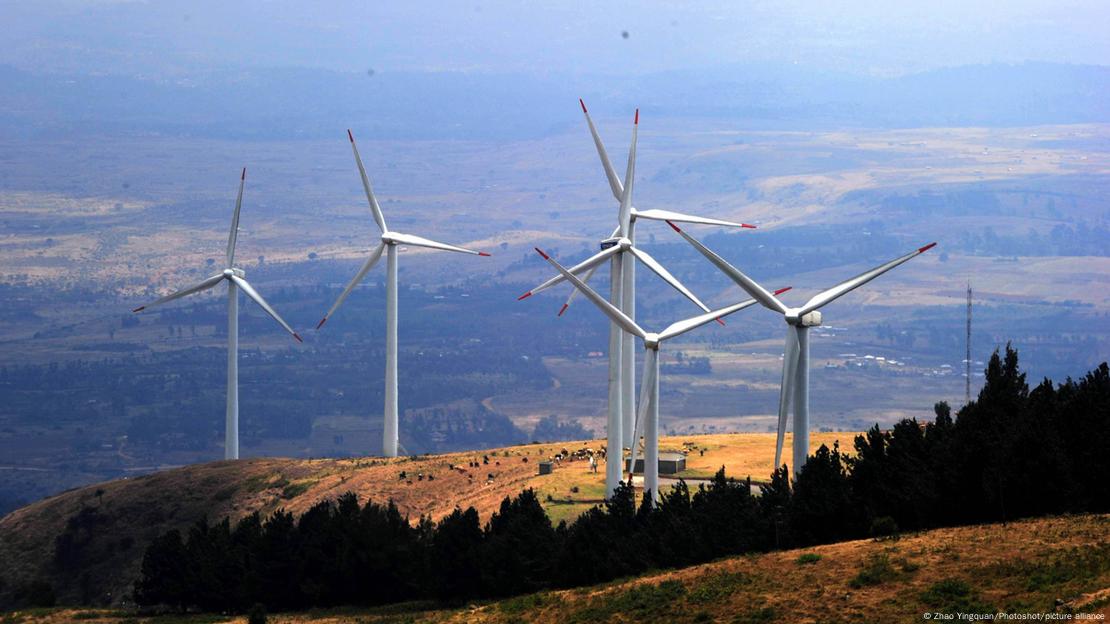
(205, 285)
(659, 270)
(607, 308)
(588, 263)
(667, 215)
(625, 216)
(574, 291)
(379, 218)
(234, 235)
(786, 389)
(610, 173)
(366, 266)
(249, 291)
(748, 284)
(586, 279)
(419, 241)
(646, 384)
(681, 327)
(847, 286)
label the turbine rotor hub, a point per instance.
(651, 341)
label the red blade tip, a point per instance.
(298, 337)
(482, 253)
(524, 296)
(139, 309)
(636, 121)
(540, 251)
(926, 248)
(350, 136)
(321, 323)
(562, 309)
(746, 225)
(673, 226)
(721, 322)
(583, 104)
(782, 290)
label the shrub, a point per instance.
(908, 565)
(952, 596)
(523, 604)
(713, 587)
(807, 558)
(257, 614)
(293, 490)
(641, 600)
(876, 571)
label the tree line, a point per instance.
(1013, 452)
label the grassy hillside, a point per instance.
(1057, 564)
(106, 527)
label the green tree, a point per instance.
(163, 575)
(519, 547)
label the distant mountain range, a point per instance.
(309, 103)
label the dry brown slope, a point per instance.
(1023, 566)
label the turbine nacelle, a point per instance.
(228, 273)
(617, 241)
(809, 319)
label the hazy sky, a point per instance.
(162, 39)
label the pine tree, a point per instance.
(162, 579)
(519, 547)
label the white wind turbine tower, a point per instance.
(235, 283)
(647, 419)
(389, 241)
(795, 363)
(622, 292)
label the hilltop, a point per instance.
(1047, 565)
(106, 527)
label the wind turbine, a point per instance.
(388, 245)
(622, 290)
(235, 281)
(795, 362)
(647, 419)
